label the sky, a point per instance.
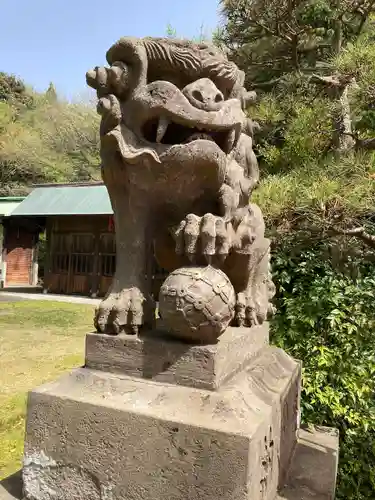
(57, 41)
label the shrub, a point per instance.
(326, 319)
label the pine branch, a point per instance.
(335, 81)
(367, 144)
(364, 15)
(357, 232)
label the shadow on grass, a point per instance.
(11, 487)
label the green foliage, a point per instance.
(295, 133)
(11, 88)
(325, 294)
(358, 60)
(51, 94)
(280, 46)
(272, 38)
(302, 179)
(48, 141)
(302, 175)
(6, 115)
(319, 194)
(325, 318)
(170, 31)
(14, 91)
(202, 37)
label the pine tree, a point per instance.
(51, 94)
(272, 38)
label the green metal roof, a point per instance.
(66, 200)
(12, 198)
(8, 204)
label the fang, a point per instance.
(162, 128)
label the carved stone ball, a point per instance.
(197, 304)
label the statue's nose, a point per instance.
(203, 94)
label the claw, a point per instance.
(191, 257)
(116, 326)
(222, 239)
(121, 312)
(100, 321)
(240, 310)
(245, 311)
(207, 235)
(208, 258)
(240, 321)
(134, 330)
(179, 238)
(191, 233)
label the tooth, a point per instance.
(162, 128)
(232, 139)
(237, 136)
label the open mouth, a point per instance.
(164, 131)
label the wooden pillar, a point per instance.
(95, 277)
(34, 261)
(48, 256)
(3, 258)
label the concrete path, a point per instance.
(74, 299)
(5, 298)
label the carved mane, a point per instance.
(179, 61)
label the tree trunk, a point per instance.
(295, 54)
(337, 35)
(342, 123)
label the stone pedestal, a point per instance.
(167, 360)
(149, 418)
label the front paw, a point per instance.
(208, 235)
(252, 312)
(122, 312)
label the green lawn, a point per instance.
(38, 341)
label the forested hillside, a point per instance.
(44, 139)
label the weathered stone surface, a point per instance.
(154, 357)
(120, 438)
(312, 476)
(178, 162)
(313, 472)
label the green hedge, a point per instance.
(326, 318)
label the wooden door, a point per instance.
(19, 258)
(59, 258)
(81, 263)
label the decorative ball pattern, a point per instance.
(197, 303)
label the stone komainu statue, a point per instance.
(178, 163)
